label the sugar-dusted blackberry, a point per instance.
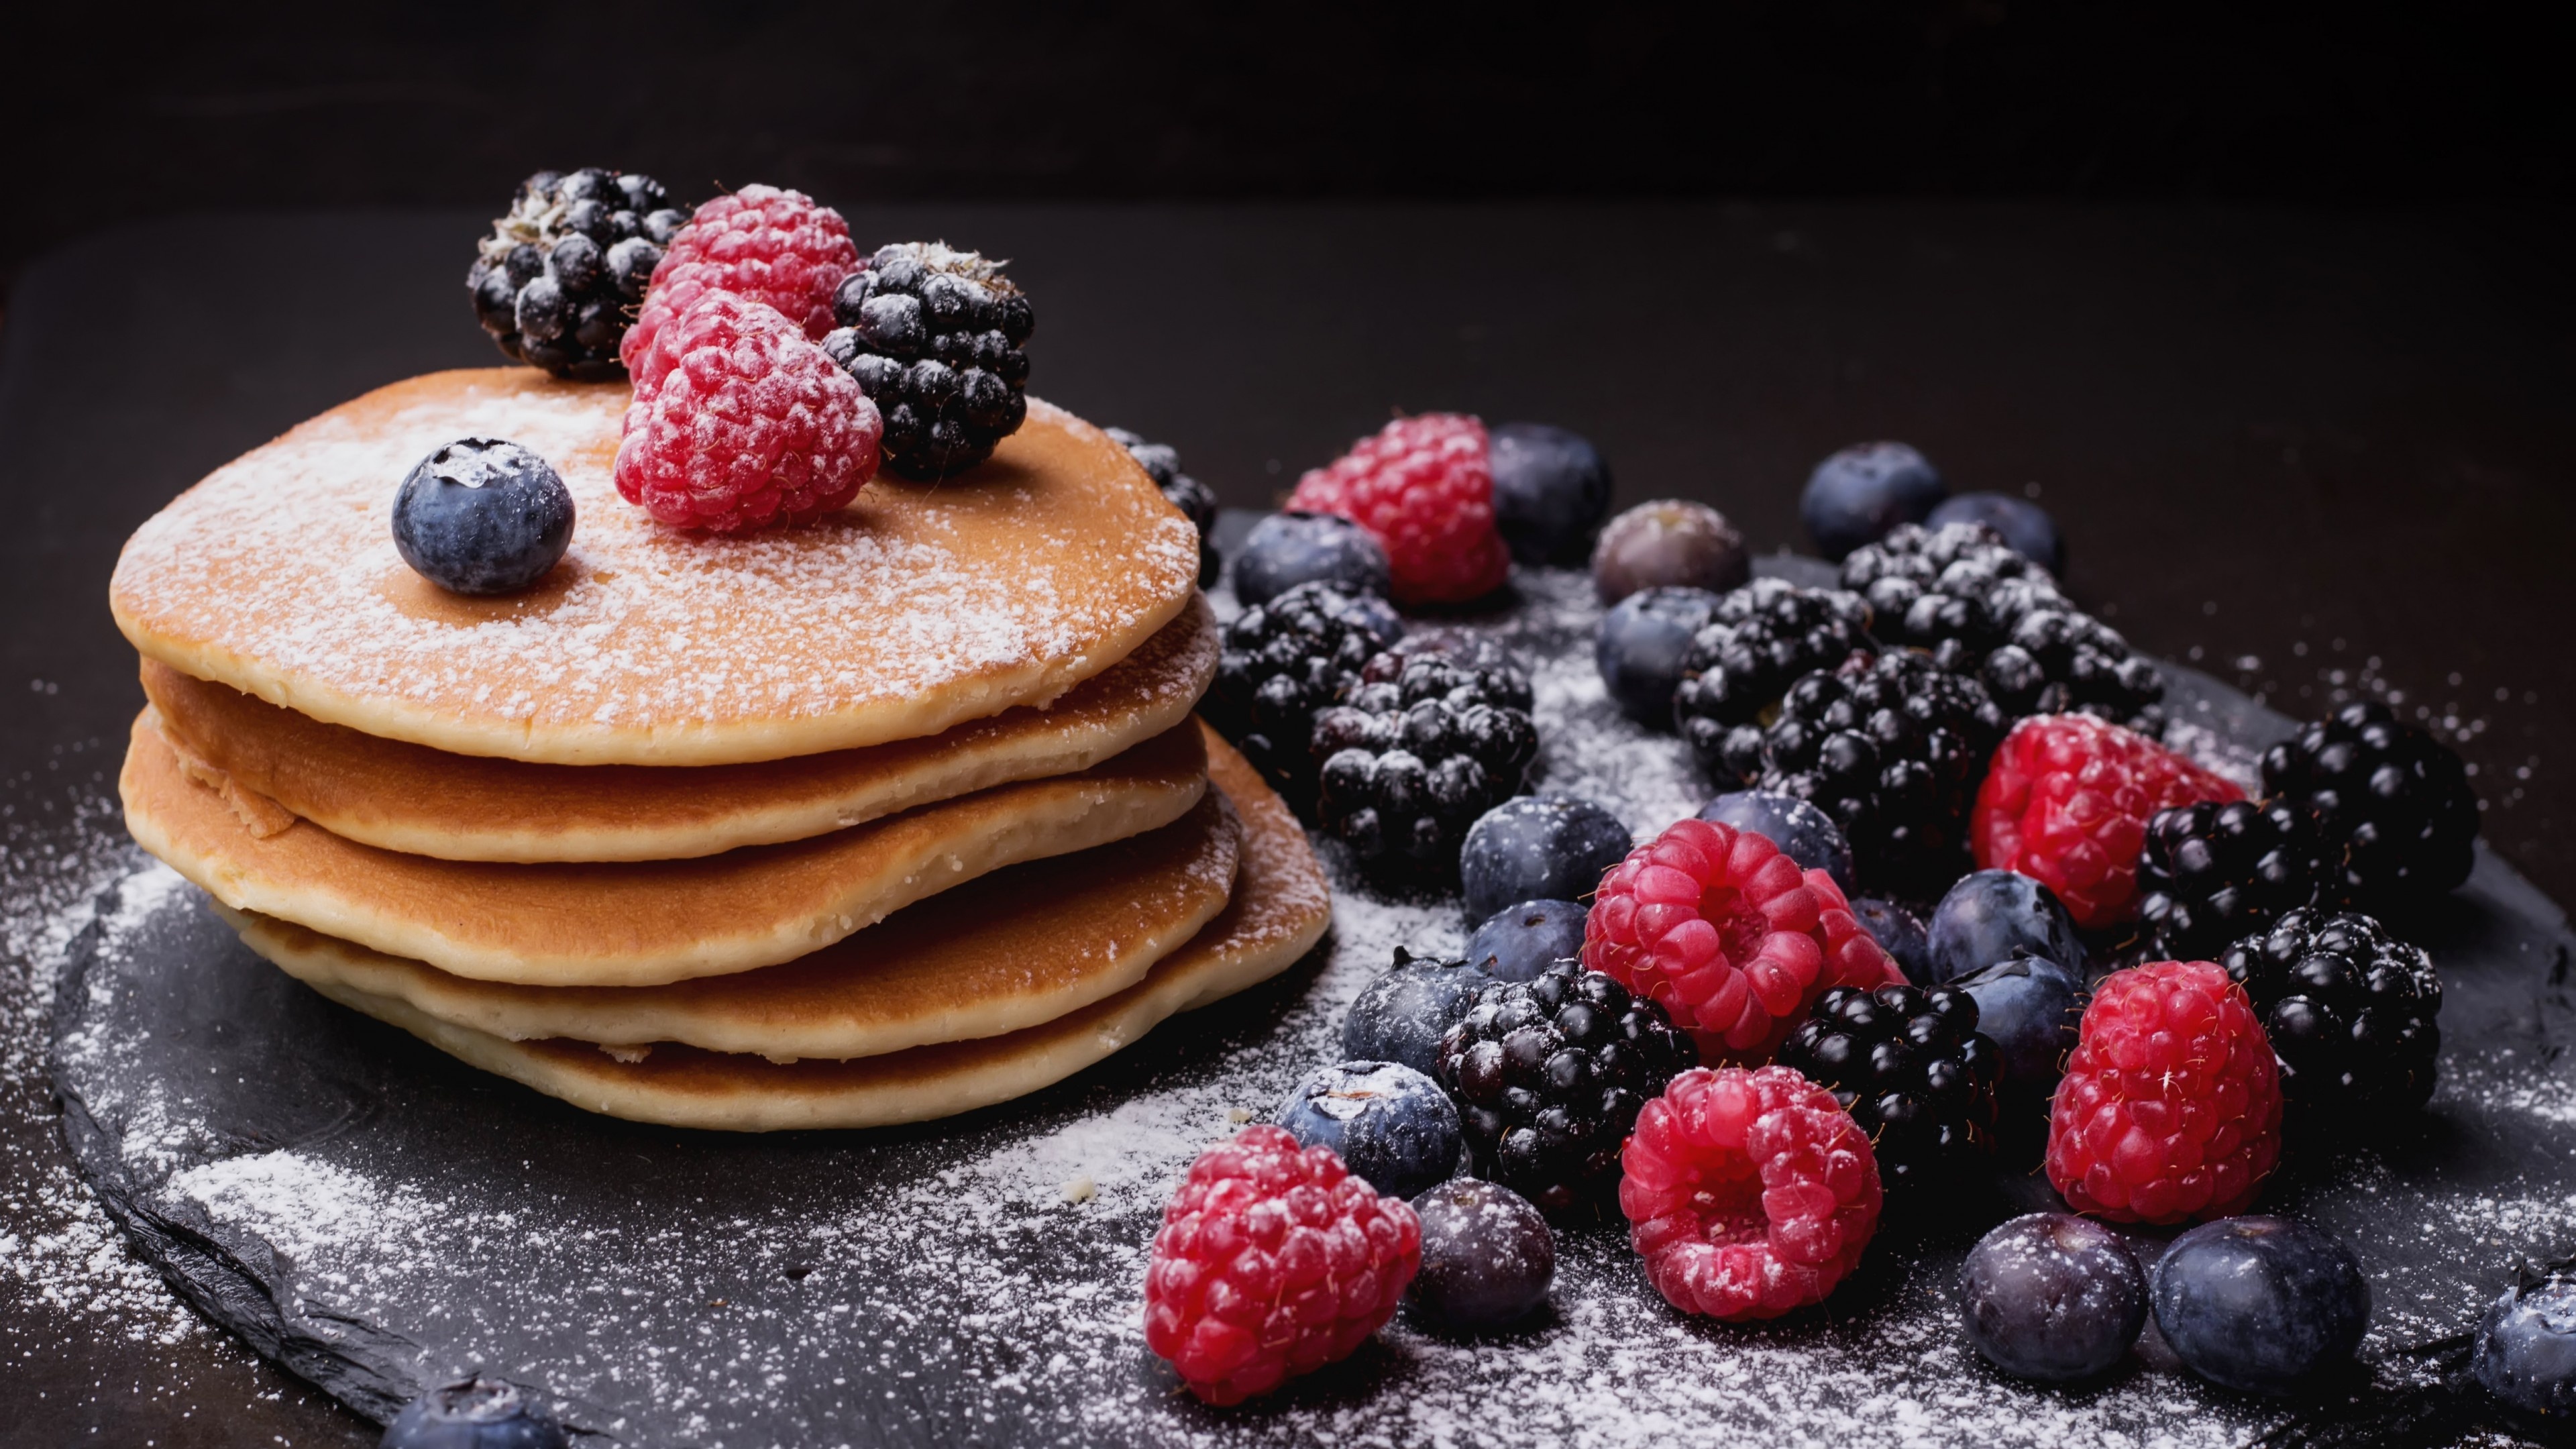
(1913, 1070)
(2395, 815)
(557, 280)
(933, 336)
(2350, 1009)
(1758, 640)
(1982, 607)
(1425, 745)
(1281, 662)
(1549, 1074)
(1196, 500)
(2211, 873)
(1892, 746)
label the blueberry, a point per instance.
(1390, 1124)
(2031, 1008)
(477, 1413)
(1858, 494)
(1538, 847)
(2526, 1350)
(1640, 647)
(1518, 942)
(1899, 932)
(2260, 1303)
(2024, 524)
(1669, 544)
(1288, 549)
(2052, 1296)
(1802, 830)
(1551, 489)
(482, 516)
(1989, 915)
(1399, 1016)
(1487, 1256)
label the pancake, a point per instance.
(915, 608)
(1015, 949)
(637, 923)
(1281, 907)
(466, 807)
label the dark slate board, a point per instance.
(379, 1218)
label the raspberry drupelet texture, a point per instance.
(1748, 1193)
(2171, 1104)
(1723, 931)
(1424, 487)
(752, 425)
(2067, 801)
(1273, 1261)
(778, 248)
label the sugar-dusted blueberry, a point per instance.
(1640, 646)
(1669, 544)
(1899, 932)
(475, 1413)
(2526, 1348)
(1989, 915)
(1288, 549)
(1551, 490)
(1803, 832)
(1518, 942)
(2032, 1008)
(2260, 1303)
(2024, 524)
(482, 516)
(2052, 1296)
(1399, 1017)
(1487, 1255)
(1539, 847)
(1858, 494)
(1390, 1123)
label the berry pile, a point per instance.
(1423, 747)
(1912, 1069)
(1424, 488)
(933, 336)
(2350, 1011)
(560, 274)
(781, 249)
(1281, 663)
(2067, 802)
(1758, 640)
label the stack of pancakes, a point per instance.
(876, 821)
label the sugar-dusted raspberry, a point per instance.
(753, 425)
(779, 248)
(1425, 488)
(2171, 1104)
(1273, 1261)
(2067, 802)
(1853, 957)
(1720, 929)
(1748, 1193)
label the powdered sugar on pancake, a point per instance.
(917, 607)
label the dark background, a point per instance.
(2272, 308)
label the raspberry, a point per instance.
(2171, 1104)
(1853, 956)
(753, 425)
(1720, 929)
(761, 244)
(1273, 1261)
(2067, 802)
(1748, 1193)
(1425, 488)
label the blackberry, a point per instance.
(1892, 746)
(1549, 1075)
(1281, 662)
(1425, 746)
(2395, 816)
(1758, 640)
(1912, 1068)
(2350, 1009)
(1983, 608)
(1196, 500)
(557, 280)
(2210, 873)
(933, 336)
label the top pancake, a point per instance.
(916, 607)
